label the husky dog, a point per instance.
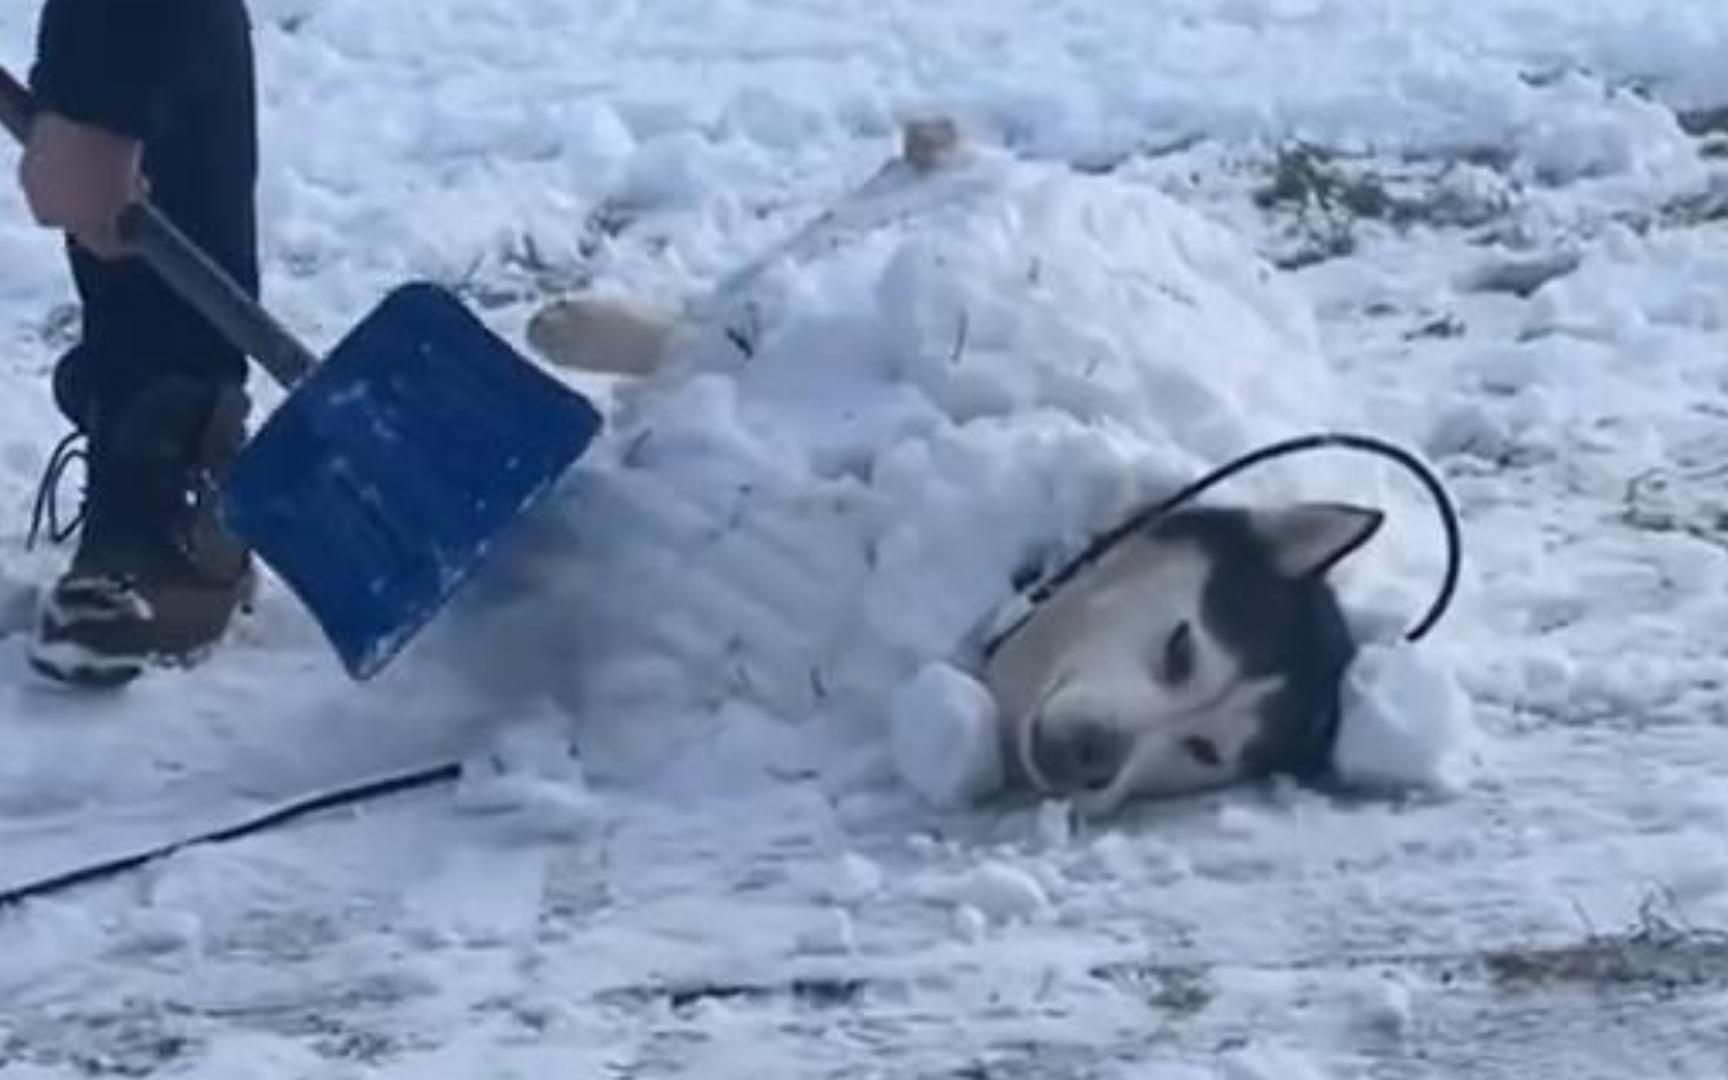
(1203, 649)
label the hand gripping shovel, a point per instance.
(376, 488)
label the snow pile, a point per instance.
(835, 490)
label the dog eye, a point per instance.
(1203, 750)
(1179, 655)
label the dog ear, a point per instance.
(1309, 539)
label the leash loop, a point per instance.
(1045, 588)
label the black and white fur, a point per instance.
(1205, 649)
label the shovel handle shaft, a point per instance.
(188, 270)
(204, 285)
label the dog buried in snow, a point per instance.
(1203, 649)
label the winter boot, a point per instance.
(156, 577)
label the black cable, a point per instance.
(311, 804)
(1094, 551)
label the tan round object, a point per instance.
(608, 337)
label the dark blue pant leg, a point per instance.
(201, 158)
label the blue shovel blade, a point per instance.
(376, 489)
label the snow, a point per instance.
(999, 383)
(778, 849)
(528, 777)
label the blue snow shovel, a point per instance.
(376, 488)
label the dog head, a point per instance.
(1204, 649)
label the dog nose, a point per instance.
(1079, 754)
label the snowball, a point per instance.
(944, 737)
(669, 170)
(848, 882)
(1000, 892)
(970, 924)
(1386, 1008)
(1405, 721)
(596, 140)
(833, 935)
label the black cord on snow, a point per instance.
(1047, 587)
(280, 814)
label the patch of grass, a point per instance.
(1657, 954)
(1326, 202)
(1441, 327)
(517, 272)
(820, 992)
(1308, 177)
(1653, 503)
(353, 1045)
(1326, 196)
(1494, 157)
(1703, 122)
(1698, 209)
(1179, 991)
(136, 1043)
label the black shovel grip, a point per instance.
(187, 269)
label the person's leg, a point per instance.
(201, 160)
(159, 394)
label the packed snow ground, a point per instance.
(1528, 282)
